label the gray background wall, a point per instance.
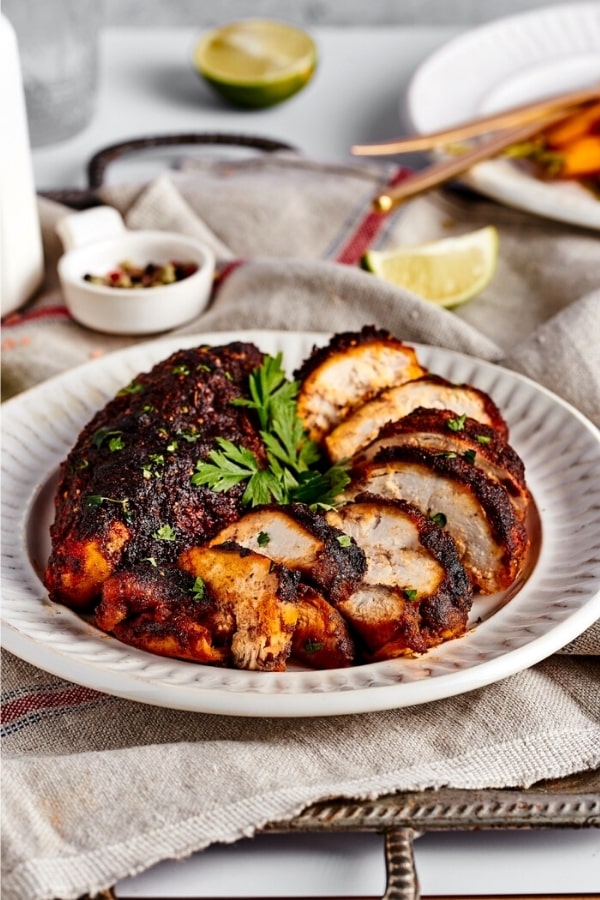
(201, 13)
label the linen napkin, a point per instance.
(97, 788)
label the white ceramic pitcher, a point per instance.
(21, 253)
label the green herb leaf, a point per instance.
(410, 593)
(189, 434)
(198, 589)
(116, 443)
(484, 439)
(164, 533)
(312, 646)
(134, 387)
(94, 501)
(103, 434)
(344, 540)
(439, 518)
(295, 467)
(457, 423)
(263, 539)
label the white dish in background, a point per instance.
(502, 64)
(559, 598)
(96, 242)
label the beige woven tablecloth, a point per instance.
(95, 787)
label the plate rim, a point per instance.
(355, 700)
(499, 179)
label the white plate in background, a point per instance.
(558, 599)
(502, 64)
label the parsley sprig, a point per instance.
(294, 471)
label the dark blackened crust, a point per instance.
(494, 446)
(340, 565)
(321, 638)
(132, 463)
(466, 434)
(507, 530)
(439, 543)
(157, 610)
(342, 342)
(433, 617)
(491, 410)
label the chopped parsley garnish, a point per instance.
(154, 466)
(311, 646)
(457, 423)
(189, 434)
(344, 540)
(104, 434)
(94, 501)
(116, 443)
(263, 539)
(484, 439)
(439, 518)
(134, 387)
(469, 456)
(293, 473)
(410, 593)
(164, 533)
(198, 588)
(180, 370)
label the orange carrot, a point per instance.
(581, 158)
(585, 121)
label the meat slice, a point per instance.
(159, 611)
(444, 432)
(321, 638)
(295, 537)
(353, 367)
(415, 592)
(259, 596)
(492, 540)
(124, 492)
(432, 391)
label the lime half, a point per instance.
(256, 62)
(447, 272)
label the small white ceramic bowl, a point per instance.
(96, 242)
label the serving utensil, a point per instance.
(511, 118)
(438, 173)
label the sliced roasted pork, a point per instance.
(353, 367)
(329, 564)
(321, 638)
(415, 592)
(158, 610)
(362, 425)
(446, 433)
(257, 594)
(491, 538)
(300, 539)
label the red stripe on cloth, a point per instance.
(368, 228)
(33, 315)
(40, 701)
(227, 269)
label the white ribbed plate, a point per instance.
(503, 64)
(558, 599)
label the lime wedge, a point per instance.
(256, 62)
(447, 272)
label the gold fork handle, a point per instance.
(511, 118)
(440, 172)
